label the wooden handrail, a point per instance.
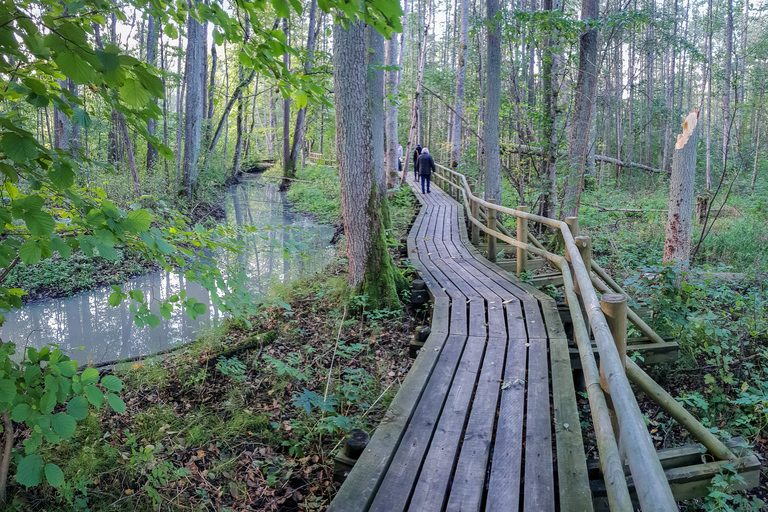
(650, 481)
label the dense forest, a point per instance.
(124, 125)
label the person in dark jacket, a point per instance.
(416, 154)
(426, 165)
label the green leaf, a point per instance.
(138, 220)
(10, 172)
(63, 424)
(134, 93)
(72, 65)
(18, 148)
(94, 395)
(65, 251)
(81, 118)
(78, 407)
(116, 403)
(115, 298)
(21, 413)
(7, 391)
(89, 376)
(47, 402)
(62, 175)
(68, 368)
(109, 60)
(29, 472)
(30, 253)
(54, 475)
(112, 383)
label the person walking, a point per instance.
(416, 154)
(426, 165)
(399, 158)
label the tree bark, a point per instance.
(460, 79)
(492, 104)
(298, 132)
(727, 81)
(371, 270)
(211, 91)
(391, 111)
(375, 53)
(286, 110)
(581, 122)
(240, 105)
(151, 60)
(193, 118)
(131, 157)
(551, 89)
(677, 244)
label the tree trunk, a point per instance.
(581, 123)
(211, 91)
(727, 81)
(709, 94)
(286, 110)
(415, 109)
(492, 104)
(298, 133)
(371, 270)
(458, 104)
(391, 111)
(151, 60)
(375, 53)
(193, 118)
(677, 244)
(179, 115)
(131, 157)
(551, 88)
(241, 106)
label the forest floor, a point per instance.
(249, 416)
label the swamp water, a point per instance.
(109, 333)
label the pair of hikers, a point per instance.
(423, 165)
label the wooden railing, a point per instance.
(618, 422)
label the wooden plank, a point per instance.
(539, 485)
(572, 477)
(547, 280)
(471, 469)
(511, 265)
(493, 303)
(458, 314)
(363, 481)
(534, 321)
(651, 353)
(431, 490)
(506, 465)
(396, 485)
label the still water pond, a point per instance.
(108, 333)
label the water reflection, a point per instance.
(108, 333)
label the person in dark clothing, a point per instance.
(426, 165)
(416, 154)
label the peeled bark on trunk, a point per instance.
(193, 118)
(298, 132)
(581, 123)
(677, 245)
(151, 60)
(371, 270)
(458, 104)
(492, 104)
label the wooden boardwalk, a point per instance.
(486, 418)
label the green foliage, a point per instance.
(32, 390)
(232, 367)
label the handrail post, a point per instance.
(614, 307)
(584, 244)
(488, 236)
(573, 225)
(522, 236)
(475, 209)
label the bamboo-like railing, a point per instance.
(653, 490)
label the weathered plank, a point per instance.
(471, 469)
(364, 479)
(506, 466)
(432, 488)
(396, 485)
(539, 485)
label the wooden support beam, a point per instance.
(522, 236)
